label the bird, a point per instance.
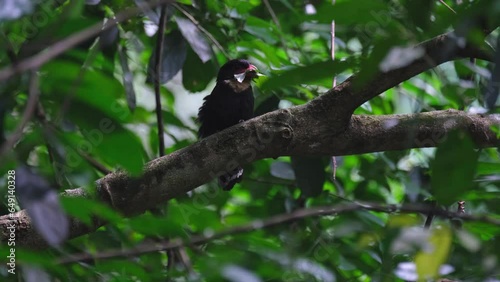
(230, 102)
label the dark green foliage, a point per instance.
(96, 107)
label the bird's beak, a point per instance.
(251, 68)
(252, 71)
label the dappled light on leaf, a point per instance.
(399, 57)
(369, 148)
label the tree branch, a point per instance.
(157, 81)
(276, 220)
(175, 174)
(34, 92)
(61, 46)
(324, 126)
(356, 90)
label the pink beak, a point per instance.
(251, 68)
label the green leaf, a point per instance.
(453, 168)
(265, 104)
(419, 12)
(65, 81)
(170, 118)
(153, 140)
(310, 175)
(195, 39)
(84, 209)
(151, 225)
(105, 138)
(195, 74)
(123, 270)
(453, 95)
(429, 261)
(270, 53)
(353, 12)
(47, 34)
(127, 78)
(172, 58)
(370, 66)
(487, 168)
(28, 143)
(306, 74)
(492, 91)
(197, 216)
(261, 29)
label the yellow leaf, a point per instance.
(429, 260)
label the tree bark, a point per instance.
(324, 126)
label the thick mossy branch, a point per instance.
(324, 126)
(271, 135)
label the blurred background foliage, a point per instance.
(96, 113)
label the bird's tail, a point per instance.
(229, 179)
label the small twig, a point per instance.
(157, 80)
(447, 6)
(159, 114)
(97, 165)
(202, 29)
(428, 221)
(334, 83)
(471, 76)
(334, 168)
(69, 42)
(170, 259)
(332, 51)
(276, 22)
(271, 182)
(29, 111)
(42, 118)
(40, 114)
(276, 220)
(271, 12)
(66, 105)
(430, 217)
(10, 49)
(186, 261)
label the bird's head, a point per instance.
(237, 74)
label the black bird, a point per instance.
(230, 102)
